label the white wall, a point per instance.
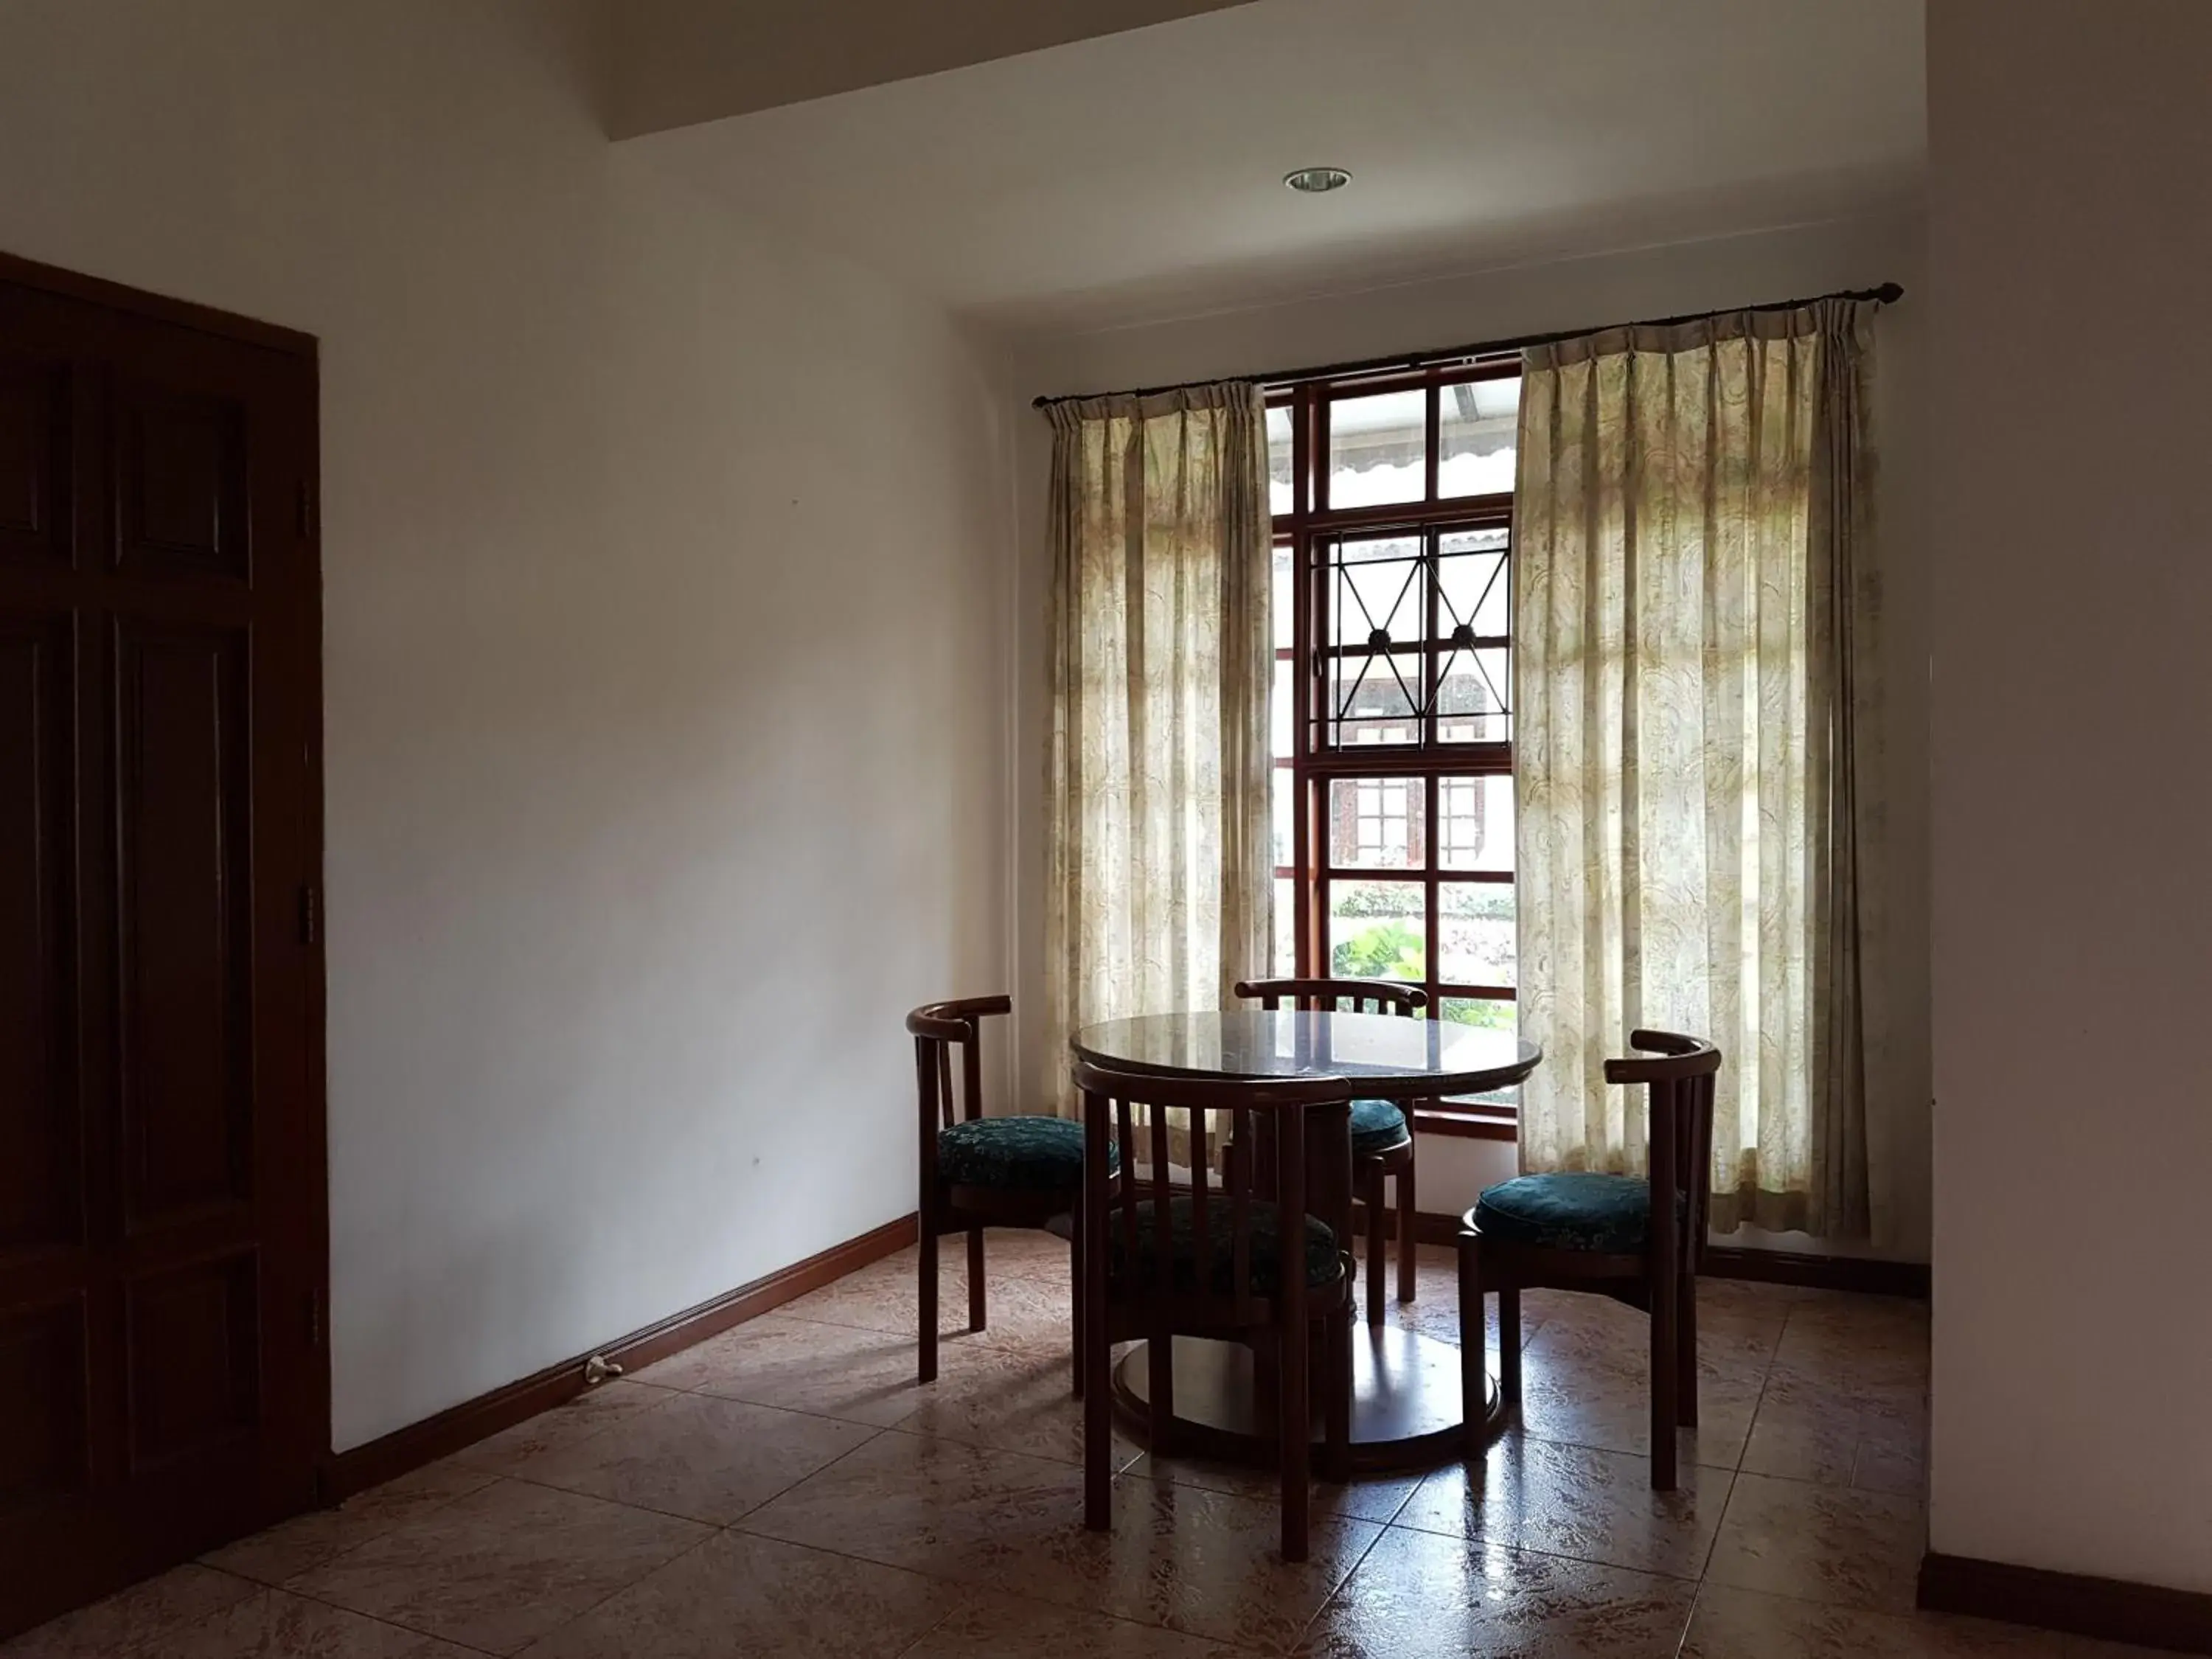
(666, 738)
(2070, 229)
(1495, 305)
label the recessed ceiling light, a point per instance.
(1317, 181)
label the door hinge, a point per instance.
(307, 509)
(311, 916)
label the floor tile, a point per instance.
(146, 1619)
(1029, 1251)
(1894, 1464)
(1365, 1497)
(1744, 1301)
(1891, 1407)
(1211, 1564)
(869, 1515)
(1587, 1390)
(291, 1548)
(1009, 1400)
(502, 1566)
(799, 1364)
(932, 1505)
(585, 1415)
(1618, 1338)
(1026, 1279)
(1858, 1549)
(1808, 1430)
(884, 1297)
(738, 1595)
(1012, 1627)
(704, 1458)
(275, 1625)
(1852, 1342)
(1434, 1311)
(1202, 1562)
(1423, 1595)
(1577, 1501)
(1019, 1311)
(1737, 1623)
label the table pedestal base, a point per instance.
(1405, 1409)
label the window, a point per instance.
(1380, 819)
(1393, 713)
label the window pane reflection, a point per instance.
(1378, 449)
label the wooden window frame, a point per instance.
(1306, 529)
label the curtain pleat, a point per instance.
(1697, 743)
(1161, 875)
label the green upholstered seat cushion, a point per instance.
(1322, 1263)
(1376, 1127)
(1025, 1152)
(1568, 1211)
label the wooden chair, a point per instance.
(1164, 1258)
(1635, 1240)
(1381, 1132)
(978, 1171)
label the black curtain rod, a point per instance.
(1888, 294)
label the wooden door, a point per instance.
(163, 1383)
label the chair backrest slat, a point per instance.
(1201, 1215)
(1127, 1141)
(971, 1075)
(1700, 1157)
(1182, 1284)
(1664, 1160)
(1240, 1215)
(1678, 1073)
(1177, 1292)
(1162, 1214)
(937, 1029)
(1379, 996)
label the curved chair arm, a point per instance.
(952, 1021)
(1678, 1057)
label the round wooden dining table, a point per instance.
(1406, 1404)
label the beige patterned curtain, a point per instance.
(1161, 878)
(1697, 743)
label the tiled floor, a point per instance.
(785, 1489)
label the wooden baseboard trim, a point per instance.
(2110, 1609)
(395, 1454)
(1821, 1273)
(1863, 1274)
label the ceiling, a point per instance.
(1137, 176)
(675, 61)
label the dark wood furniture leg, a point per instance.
(1509, 1348)
(1097, 1406)
(1377, 1251)
(1078, 1289)
(1686, 1345)
(1408, 1275)
(1666, 1262)
(925, 1255)
(1295, 1419)
(926, 1270)
(1474, 1377)
(1336, 1406)
(977, 1310)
